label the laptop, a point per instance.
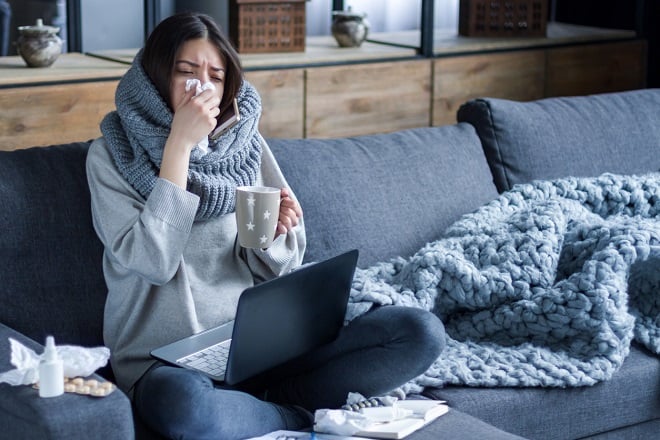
(276, 321)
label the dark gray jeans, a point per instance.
(372, 355)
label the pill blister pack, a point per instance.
(88, 387)
(366, 403)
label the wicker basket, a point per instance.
(258, 26)
(506, 18)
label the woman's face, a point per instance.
(199, 59)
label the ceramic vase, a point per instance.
(39, 45)
(349, 29)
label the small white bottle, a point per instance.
(51, 371)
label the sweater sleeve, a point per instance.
(146, 237)
(287, 251)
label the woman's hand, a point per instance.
(290, 213)
(194, 118)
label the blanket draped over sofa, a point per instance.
(547, 285)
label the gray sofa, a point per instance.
(385, 194)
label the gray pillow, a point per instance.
(388, 194)
(568, 136)
(52, 276)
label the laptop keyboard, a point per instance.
(211, 360)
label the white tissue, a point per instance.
(199, 88)
(340, 422)
(346, 423)
(77, 361)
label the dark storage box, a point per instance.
(508, 18)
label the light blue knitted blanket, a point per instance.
(547, 285)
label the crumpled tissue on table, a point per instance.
(346, 423)
(76, 361)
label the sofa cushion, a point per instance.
(50, 256)
(567, 136)
(386, 195)
(458, 425)
(631, 397)
(23, 415)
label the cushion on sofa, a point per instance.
(24, 415)
(50, 256)
(567, 136)
(641, 431)
(386, 195)
(458, 425)
(631, 397)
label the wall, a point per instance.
(384, 15)
(111, 24)
(215, 8)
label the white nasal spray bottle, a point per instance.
(51, 371)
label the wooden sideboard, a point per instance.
(537, 73)
(58, 104)
(327, 91)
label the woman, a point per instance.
(163, 206)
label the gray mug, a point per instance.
(257, 212)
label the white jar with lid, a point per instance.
(39, 45)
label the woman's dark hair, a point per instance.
(164, 42)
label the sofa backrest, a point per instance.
(568, 136)
(51, 279)
(386, 195)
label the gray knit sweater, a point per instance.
(169, 276)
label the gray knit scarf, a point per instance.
(136, 133)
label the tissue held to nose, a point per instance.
(203, 144)
(199, 87)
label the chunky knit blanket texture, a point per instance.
(547, 285)
(137, 131)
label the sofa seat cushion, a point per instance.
(24, 415)
(50, 256)
(631, 397)
(458, 425)
(386, 195)
(569, 136)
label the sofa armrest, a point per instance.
(24, 415)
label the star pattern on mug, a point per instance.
(257, 221)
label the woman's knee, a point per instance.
(166, 399)
(421, 328)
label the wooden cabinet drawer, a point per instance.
(368, 98)
(512, 75)
(596, 68)
(282, 97)
(46, 115)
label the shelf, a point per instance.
(69, 67)
(324, 50)
(450, 43)
(319, 51)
